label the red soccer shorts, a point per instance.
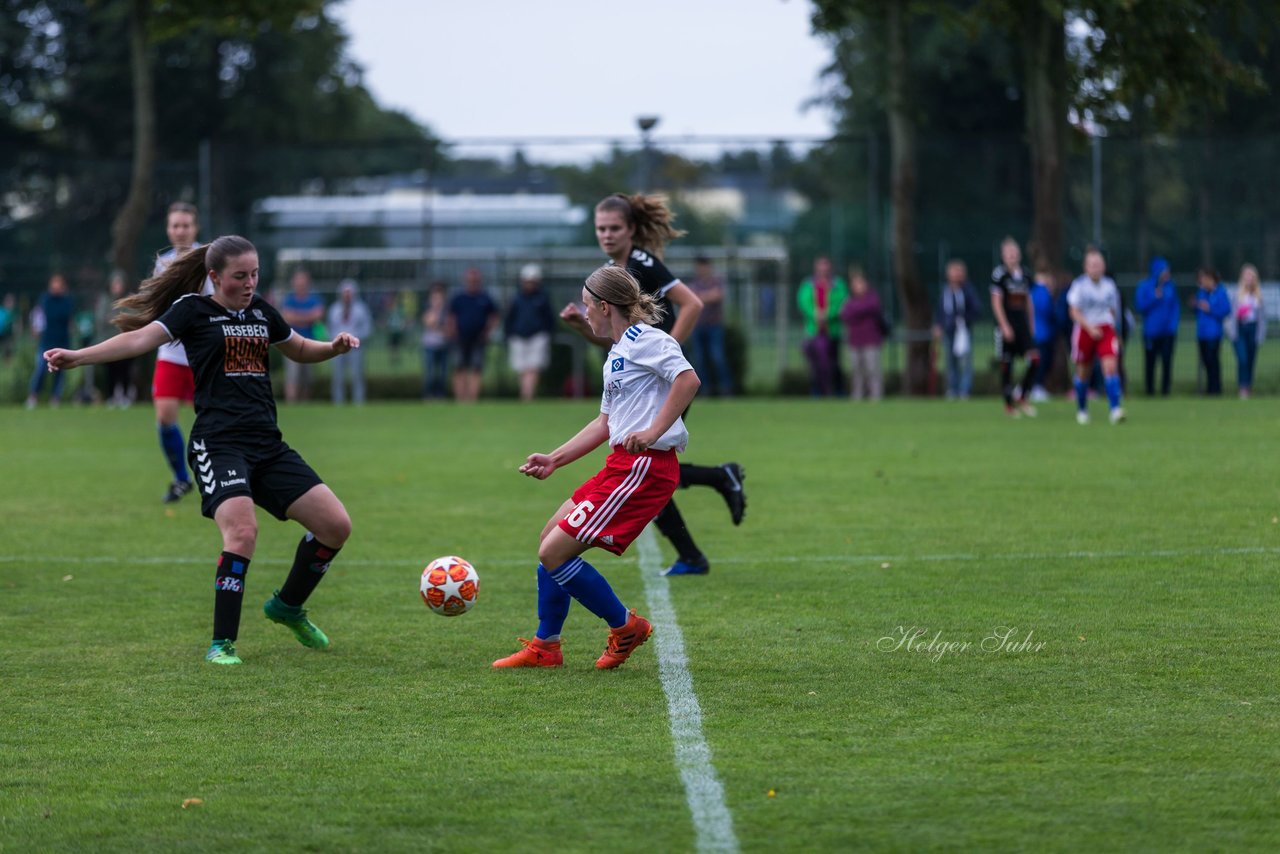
(1084, 347)
(172, 380)
(613, 507)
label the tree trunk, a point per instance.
(1204, 201)
(902, 155)
(128, 223)
(1044, 40)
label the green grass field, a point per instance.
(1141, 713)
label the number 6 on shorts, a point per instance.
(579, 514)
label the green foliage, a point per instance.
(1182, 59)
(256, 76)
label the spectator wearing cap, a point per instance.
(349, 314)
(708, 335)
(528, 327)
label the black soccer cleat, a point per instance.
(734, 492)
(176, 490)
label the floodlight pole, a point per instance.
(646, 125)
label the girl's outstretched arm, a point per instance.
(126, 345)
(587, 440)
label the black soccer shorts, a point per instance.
(268, 471)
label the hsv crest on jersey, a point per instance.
(616, 365)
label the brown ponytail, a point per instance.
(650, 216)
(184, 275)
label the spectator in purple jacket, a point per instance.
(864, 326)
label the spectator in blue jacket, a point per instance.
(472, 317)
(51, 320)
(959, 308)
(1042, 306)
(1157, 302)
(1212, 306)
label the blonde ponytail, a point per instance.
(619, 288)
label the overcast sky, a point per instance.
(506, 68)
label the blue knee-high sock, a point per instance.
(581, 581)
(1113, 390)
(1082, 394)
(174, 449)
(553, 606)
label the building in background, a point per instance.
(420, 219)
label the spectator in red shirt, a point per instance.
(863, 319)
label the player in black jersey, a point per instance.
(632, 230)
(236, 450)
(1015, 326)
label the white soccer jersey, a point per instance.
(172, 351)
(1098, 302)
(637, 378)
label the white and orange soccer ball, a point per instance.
(450, 586)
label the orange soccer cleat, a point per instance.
(624, 640)
(536, 653)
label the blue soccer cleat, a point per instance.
(688, 567)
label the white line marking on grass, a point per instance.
(771, 559)
(711, 818)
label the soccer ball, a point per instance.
(450, 586)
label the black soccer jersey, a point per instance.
(1014, 287)
(656, 279)
(228, 353)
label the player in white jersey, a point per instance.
(1094, 303)
(632, 231)
(648, 383)
(172, 382)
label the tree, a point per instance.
(1154, 64)
(129, 221)
(151, 21)
(279, 101)
(888, 22)
(1176, 65)
(902, 159)
(1040, 28)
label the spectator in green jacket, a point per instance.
(820, 298)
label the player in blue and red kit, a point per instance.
(632, 230)
(647, 384)
(1095, 308)
(172, 383)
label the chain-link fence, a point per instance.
(763, 209)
